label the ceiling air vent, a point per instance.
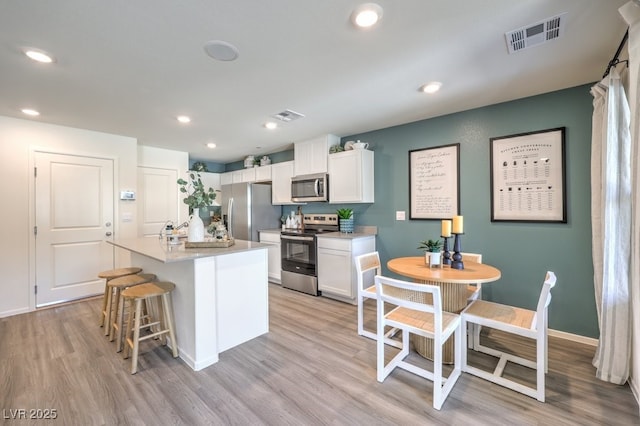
(538, 33)
(287, 115)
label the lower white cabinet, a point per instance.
(275, 263)
(337, 277)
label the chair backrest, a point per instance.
(367, 266)
(544, 300)
(409, 295)
(472, 257)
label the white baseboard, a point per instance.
(14, 312)
(573, 337)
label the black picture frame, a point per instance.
(434, 182)
(528, 177)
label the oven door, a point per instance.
(298, 254)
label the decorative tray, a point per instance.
(210, 244)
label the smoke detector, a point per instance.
(535, 34)
(287, 115)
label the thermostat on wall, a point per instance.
(127, 195)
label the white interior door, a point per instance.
(74, 219)
(158, 199)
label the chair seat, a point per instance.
(494, 314)
(120, 272)
(131, 280)
(370, 292)
(473, 292)
(147, 290)
(423, 321)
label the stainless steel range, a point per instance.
(299, 249)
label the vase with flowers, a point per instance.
(197, 197)
(432, 251)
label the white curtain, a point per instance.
(631, 14)
(611, 226)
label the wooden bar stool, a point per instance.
(110, 275)
(117, 305)
(160, 292)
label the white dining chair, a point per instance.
(422, 319)
(474, 292)
(367, 267)
(519, 321)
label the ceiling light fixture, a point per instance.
(39, 56)
(31, 112)
(432, 87)
(366, 15)
(211, 145)
(221, 50)
(270, 125)
(183, 119)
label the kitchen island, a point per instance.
(221, 298)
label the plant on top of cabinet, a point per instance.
(199, 166)
(346, 220)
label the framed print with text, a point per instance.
(528, 177)
(434, 182)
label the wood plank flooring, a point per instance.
(310, 369)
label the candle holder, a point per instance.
(457, 257)
(446, 259)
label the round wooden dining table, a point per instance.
(453, 289)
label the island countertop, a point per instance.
(159, 250)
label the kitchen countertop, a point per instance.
(159, 250)
(361, 232)
(272, 231)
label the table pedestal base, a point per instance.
(454, 299)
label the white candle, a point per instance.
(457, 225)
(446, 228)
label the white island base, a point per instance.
(221, 298)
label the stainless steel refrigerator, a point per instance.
(247, 209)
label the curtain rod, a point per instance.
(614, 61)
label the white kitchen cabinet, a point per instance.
(244, 175)
(263, 173)
(310, 156)
(281, 174)
(272, 239)
(210, 180)
(226, 178)
(337, 277)
(351, 176)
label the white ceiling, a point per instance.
(129, 67)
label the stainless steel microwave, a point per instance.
(310, 188)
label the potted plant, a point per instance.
(431, 251)
(345, 220)
(197, 197)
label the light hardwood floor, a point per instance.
(310, 369)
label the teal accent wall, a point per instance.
(522, 251)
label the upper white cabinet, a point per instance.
(210, 180)
(226, 178)
(281, 174)
(263, 173)
(243, 175)
(351, 177)
(310, 156)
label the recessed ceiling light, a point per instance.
(183, 119)
(39, 56)
(31, 112)
(270, 125)
(366, 15)
(221, 50)
(211, 145)
(432, 87)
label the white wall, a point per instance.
(18, 140)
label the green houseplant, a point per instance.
(197, 197)
(432, 253)
(345, 221)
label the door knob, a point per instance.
(108, 234)
(108, 224)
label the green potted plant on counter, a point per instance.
(197, 197)
(345, 220)
(431, 251)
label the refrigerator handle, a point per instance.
(230, 218)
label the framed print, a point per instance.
(434, 182)
(528, 177)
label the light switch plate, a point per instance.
(400, 215)
(127, 217)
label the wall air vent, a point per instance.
(538, 33)
(287, 115)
